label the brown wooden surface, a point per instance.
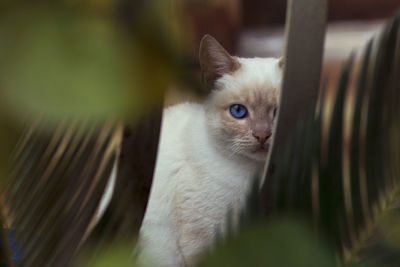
(305, 31)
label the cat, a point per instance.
(208, 155)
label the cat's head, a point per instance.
(241, 109)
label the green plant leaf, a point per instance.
(117, 255)
(60, 62)
(277, 243)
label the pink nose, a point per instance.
(262, 136)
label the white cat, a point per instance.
(208, 155)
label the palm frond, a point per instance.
(56, 183)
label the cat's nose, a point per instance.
(262, 136)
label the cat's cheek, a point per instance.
(235, 127)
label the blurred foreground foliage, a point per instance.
(283, 242)
(72, 65)
(86, 58)
(70, 73)
(117, 255)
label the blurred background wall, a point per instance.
(269, 12)
(226, 19)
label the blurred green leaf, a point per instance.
(61, 63)
(278, 243)
(9, 135)
(117, 255)
(55, 64)
(74, 64)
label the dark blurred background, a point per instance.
(262, 12)
(225, 19)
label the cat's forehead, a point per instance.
(258, 70)
(255, 96)
(257, 81)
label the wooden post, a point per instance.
(305, 35)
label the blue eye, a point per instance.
(238, 111)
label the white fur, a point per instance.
(197, 181)
(257, 72)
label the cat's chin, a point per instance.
(260, 153)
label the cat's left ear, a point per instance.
(281, 63)
(215, 61)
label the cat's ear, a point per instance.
(215, 61)
(281, 62)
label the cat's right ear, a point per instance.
(215, 61)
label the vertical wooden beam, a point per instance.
(305, 36)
